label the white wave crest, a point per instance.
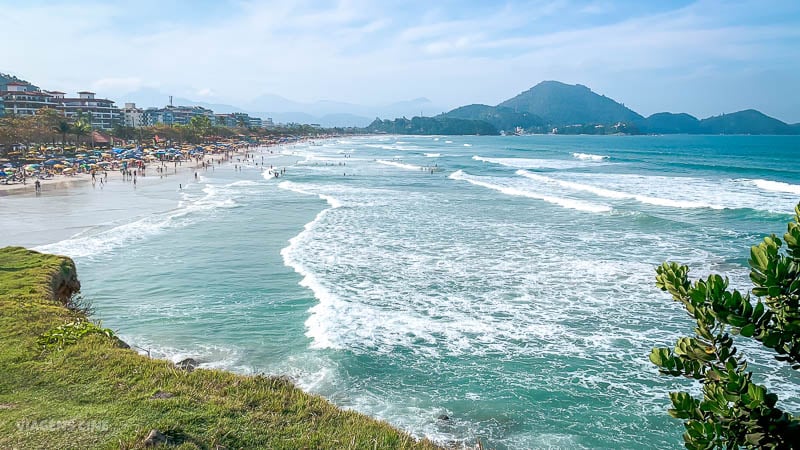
(530, 163)
(590, 157)
(432, 155)
(777, 186)
(399, 164)
(516, 191)
(318, 320)
(618, 195)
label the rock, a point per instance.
(119, 343)
(188, 364)
(64, 283)
(443, 417)
(154, 438)
(161, 394)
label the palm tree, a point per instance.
(63, 128)
(80, 128)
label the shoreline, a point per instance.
(130, 400)
(70, 181)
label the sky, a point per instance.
(701, 57)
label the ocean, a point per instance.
(505, 282)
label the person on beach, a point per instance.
(38, 187)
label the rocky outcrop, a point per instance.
(64, 283)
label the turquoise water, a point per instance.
(507, 282)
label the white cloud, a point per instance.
(360, 51)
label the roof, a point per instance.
(85, 92)
(100, 138)
(17, 83)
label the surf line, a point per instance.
(309, 280)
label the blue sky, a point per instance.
(700, 57)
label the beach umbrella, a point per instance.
(3, 174)
(51, 162)
(59, 166)
(68, 170)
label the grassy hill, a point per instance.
(68, 383)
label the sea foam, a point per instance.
(590, 157)
(520, 192)
(777, 186)
(618, 195)
(532, 163)
(399, 164)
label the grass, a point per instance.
(95, 394)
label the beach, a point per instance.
(512, 290)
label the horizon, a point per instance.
(703, 58)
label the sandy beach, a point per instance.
(171, 168)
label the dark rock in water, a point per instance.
(161, 394)
(154, 438)
(187, 364)
(119, 343)
(443, 417)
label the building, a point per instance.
(255, 122)
(234, 120)
(24, 99)
(132, 116)
(174, 115)
(100, 112)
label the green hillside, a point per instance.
(502, 118)
(748, 121)
(562, 104)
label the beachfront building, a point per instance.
(255, 122)
(234, 120)
(174, 115)
(132, 116)
(100, 112)
(24, 99)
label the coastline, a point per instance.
(130, 400)
(58, 182)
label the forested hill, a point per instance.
(432, 125)
(552, 106)
(563, 104)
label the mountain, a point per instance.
(563, 104)
(748, 121)
(502, 118)
(671, 123)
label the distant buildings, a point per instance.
(18, 97)
(174, 115)
(21, 98)
(132, 116)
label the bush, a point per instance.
(735, 412)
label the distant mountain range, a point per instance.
(551, 106)
(282, 110)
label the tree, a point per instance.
(735, 412)
(63, 128)
(201, 125)
(80, 128)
